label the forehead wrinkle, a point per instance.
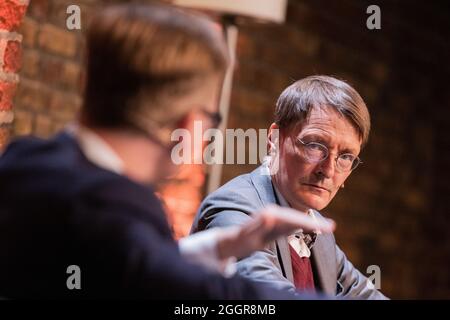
(333, 126)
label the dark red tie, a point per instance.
(302, 270)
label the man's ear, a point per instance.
(273, 138)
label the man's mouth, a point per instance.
(316, 186)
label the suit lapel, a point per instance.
(263, 185)
(285, 256)
(324, 257)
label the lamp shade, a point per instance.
(265, 10)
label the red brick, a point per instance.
(33, 95)
(23, 122)
(7, 91)
(11, 13)
(29, 30)
(43, 126)
(63, 104)
(30, 63)
(6, 117)
(12, 57)
(4, 136)
(57, 40)
(39, 9)
(61, 72)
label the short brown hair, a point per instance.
(142, 57)
(297, 100)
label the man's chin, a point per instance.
(315, 202)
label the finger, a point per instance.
(287, 218)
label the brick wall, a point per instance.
(11, 14)
(49, 93)
(394, 209)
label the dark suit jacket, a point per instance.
(233, 204)
(58, 209)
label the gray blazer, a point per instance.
(233, 204)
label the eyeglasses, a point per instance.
(315, 152)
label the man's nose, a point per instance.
(326, 168)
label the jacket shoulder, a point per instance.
(231, 204)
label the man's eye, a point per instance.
(314, 146)
(347, 157)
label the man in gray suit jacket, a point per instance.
(320, 127)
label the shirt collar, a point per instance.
(96, 149)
